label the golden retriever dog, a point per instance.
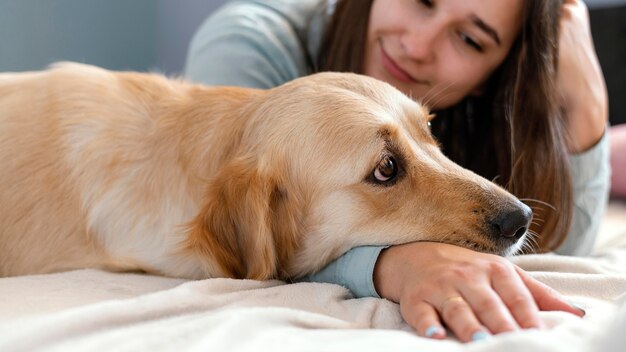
(132, 171)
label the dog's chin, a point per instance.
(502, 248)
(510, 249)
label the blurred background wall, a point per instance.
(154, 35)
(116, 34)
(608, 26)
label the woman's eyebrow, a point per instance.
(485, 28)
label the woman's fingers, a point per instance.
(456, 313)
(473, 294)
(422, 317)
(490, 309)
(546, 297)
(515, 295)
(459, 316)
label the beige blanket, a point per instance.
(90, 310)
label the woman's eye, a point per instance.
(471, 42)
(386, 170)
(427, 3)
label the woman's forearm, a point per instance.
(581, 84)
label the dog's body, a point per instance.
(130, 171)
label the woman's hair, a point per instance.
(513, 133)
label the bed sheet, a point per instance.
(89, 310)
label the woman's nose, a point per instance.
(420, 43)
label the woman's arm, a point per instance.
(584, 100)
(246, 44)
(581, 85)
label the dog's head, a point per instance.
(333, 161)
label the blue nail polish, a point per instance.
(431, 330)
(480, 336)
(577, 307)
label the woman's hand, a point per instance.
(475, 294)
(580, 82)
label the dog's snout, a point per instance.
(513, 224)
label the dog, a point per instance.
(128, 171)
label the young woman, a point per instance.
(488, 68)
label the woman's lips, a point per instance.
(393, 68)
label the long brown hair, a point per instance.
(513, 133)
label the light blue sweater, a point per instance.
(265, 43)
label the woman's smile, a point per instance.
(393, 68)
(451, 45)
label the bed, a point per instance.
(89, 310)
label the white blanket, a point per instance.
(94, 310)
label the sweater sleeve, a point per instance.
(353, 270)
(591, 174)
(247, 45)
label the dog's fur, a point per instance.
(132, 171)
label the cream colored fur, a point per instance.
(132, 171)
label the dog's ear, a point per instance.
(234, 228)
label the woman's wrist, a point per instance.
(397, 263)
(387, 278)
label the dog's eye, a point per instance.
(386, 170)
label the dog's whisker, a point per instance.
(538, 201)
(429, 99)
(436, 100)
(531, 242)
(526, 248)
(537, 217)
(537, 209)
(533, 237)
(529, 248)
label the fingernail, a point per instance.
(480, 336)
(431, 330)
(578, 308)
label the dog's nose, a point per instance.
(513, 224)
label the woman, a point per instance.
(488, 69)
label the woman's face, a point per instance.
(439, 51)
